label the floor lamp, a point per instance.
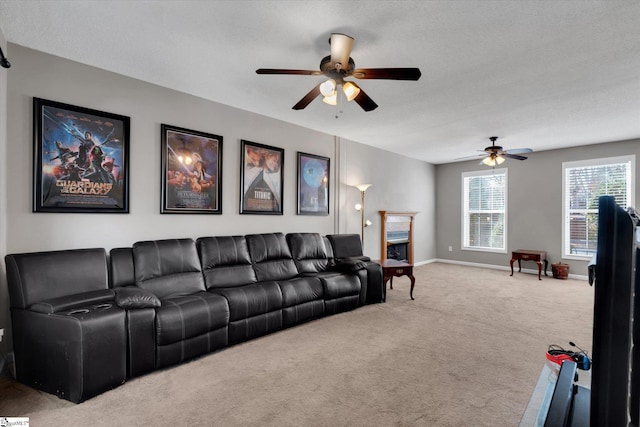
(360, 207)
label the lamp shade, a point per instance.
(328, 88)
(493, 160)
(331, 100)
(350, 90)
(362, 187)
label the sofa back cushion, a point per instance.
(168, 268)
(328, 248)
(225, 261)
(40, 276)
(308, 251)
(271, 256)
(345, 245)
(121, 270)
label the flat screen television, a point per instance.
(615, 377)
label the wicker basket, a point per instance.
(560, 270)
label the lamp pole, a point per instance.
(362, 188)
(362, 217)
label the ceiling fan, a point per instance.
(338, 66)
(495, 155)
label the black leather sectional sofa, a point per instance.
(84, 321)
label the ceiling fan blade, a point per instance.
(365, 102)
(519, 150)
(281, 71)
(306, 100)
(341, 45)
(513, 156)
(387, 73)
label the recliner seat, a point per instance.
(69, 337)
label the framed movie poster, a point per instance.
(313, 184)
(81, 159)
(191, 171)
(261, 179)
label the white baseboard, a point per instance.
(493, 267)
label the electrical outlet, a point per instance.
(1, 333)
(450, 248)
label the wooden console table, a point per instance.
(393, 268)
(527, 255)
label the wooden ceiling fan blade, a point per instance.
(365, 102)
(306, 100)
(387, 73)
(284, 71)
(341, 45)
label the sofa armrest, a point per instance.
(129, 297)
(68, 302)
(350, 265)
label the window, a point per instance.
(583, 183)
(484, 205)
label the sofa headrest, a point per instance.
(225, 261)
(168, 267)
(267, 246)
(345, 245)
(271, 256)
(308, 251)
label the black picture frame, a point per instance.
(313, 184)
(81, 159)
(261, 178)
(191, 171)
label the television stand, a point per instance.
(561, 398)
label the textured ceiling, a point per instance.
(538, 74)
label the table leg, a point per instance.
(413, 282)
(545, 266)
(384, 288)
(391, 283)
(511, 262)
(384, 292)
(539, 269)
(519, 265)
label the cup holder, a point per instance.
(78, 311)
(103, 306)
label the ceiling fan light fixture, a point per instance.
(350, 90)
(493, 160)
(331, 100)
(328, 88)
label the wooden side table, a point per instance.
(393, 268)
(528, 255)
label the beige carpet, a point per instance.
(466, 352)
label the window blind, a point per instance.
(484, 210)
(584, 183)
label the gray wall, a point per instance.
(534, 204)
(4, 297)
(399, 183)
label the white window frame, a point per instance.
(465, 202)
(631, 159)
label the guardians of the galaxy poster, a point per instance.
(81, 159)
